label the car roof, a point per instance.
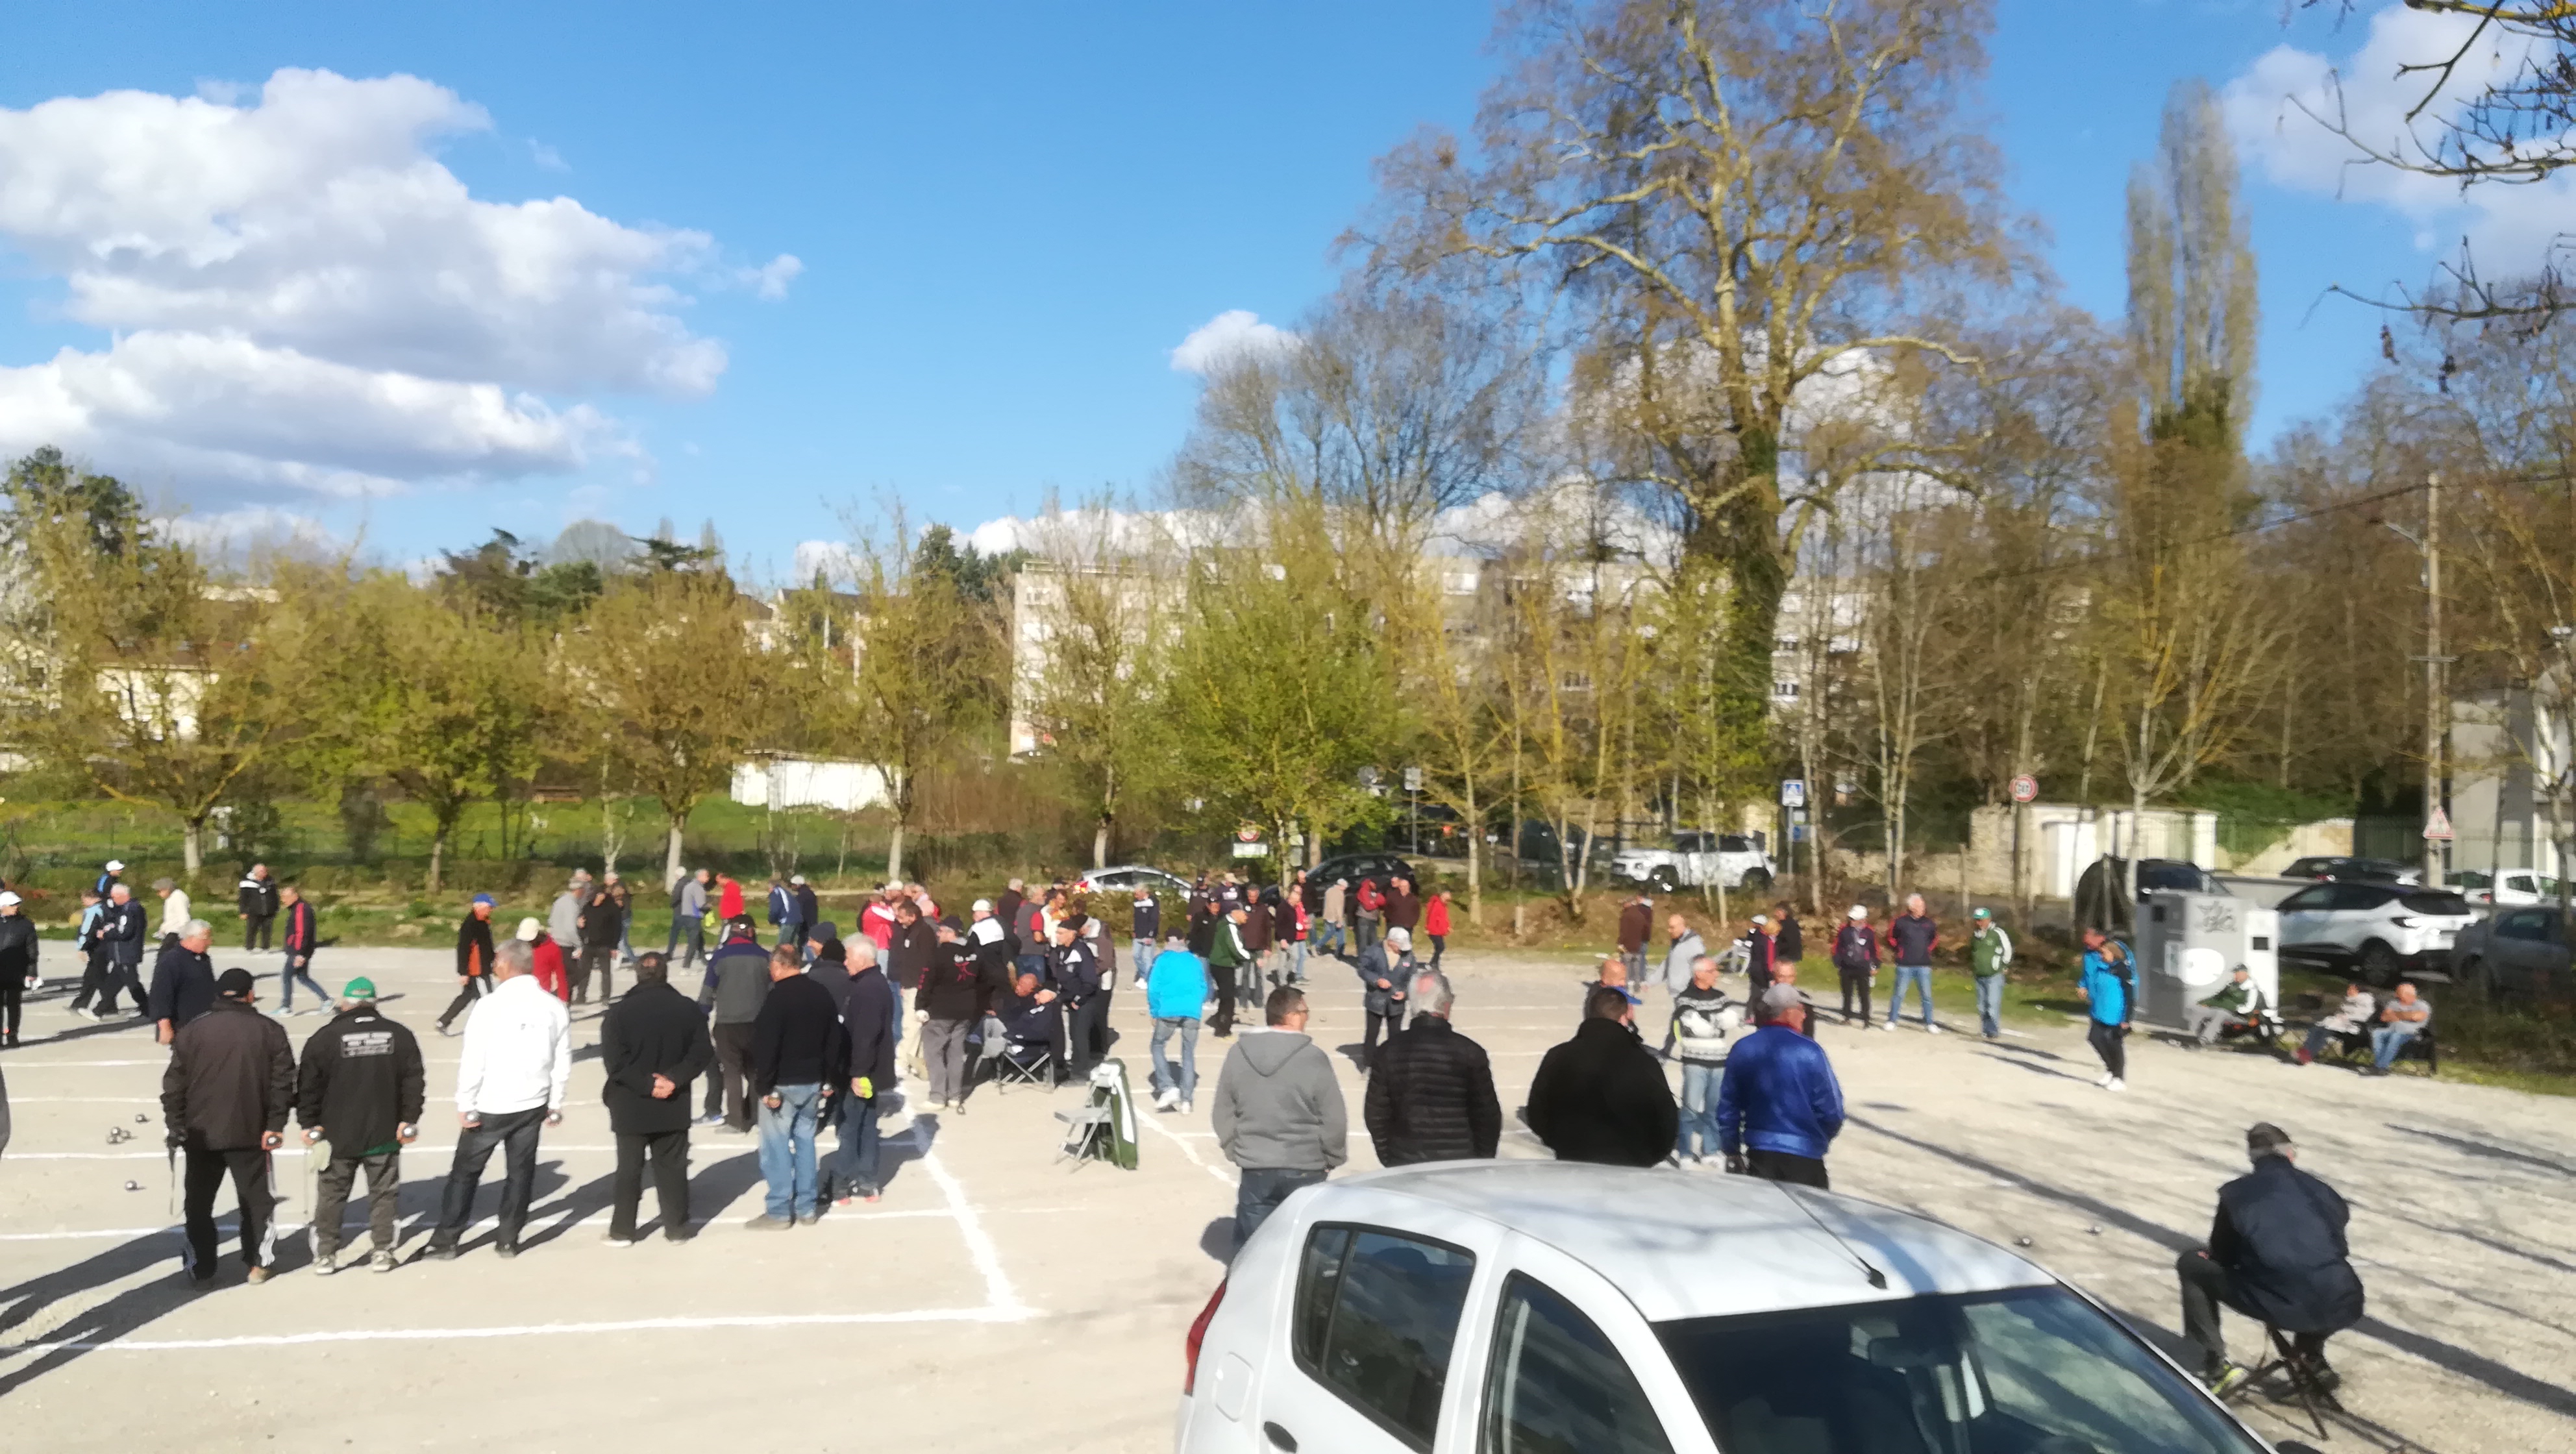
(1687, 1246)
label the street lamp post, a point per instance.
(2436, 709)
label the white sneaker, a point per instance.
(1185, 1108)
(1931, 1029)
(2103, 1080)
(1166, 1098)
(2115, 1083)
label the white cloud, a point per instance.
(2510, 228)
(250, 528)
(300, 296)
(1229, 335)
(769, 281)
(834, 560)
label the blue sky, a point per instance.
(983, 229)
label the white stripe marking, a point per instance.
(1005, 1301)
(1186, 1149)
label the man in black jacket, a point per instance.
(951, 1002)
(183, 978)
(473, 960)
(602, 925)
(800, 1055)
(361, 1087)
(224, 1100)
(1431, 1090)
(1075, 968)
(17, 964)
(868, 1025)
(256, 900)
(2276, 1252)
(123, 932)
(1601, 1096)
(652, 1043)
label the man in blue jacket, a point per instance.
(2109, 990)
(1778, 1105)
(1176, 991)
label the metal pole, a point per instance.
(2435, 709)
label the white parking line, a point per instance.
(530, 1330)
(1004, 1301)
(1186, 1148)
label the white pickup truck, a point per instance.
(1696, 859)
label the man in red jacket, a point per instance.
(1435, 923)
(300, 944)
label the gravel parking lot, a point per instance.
(998, 1300)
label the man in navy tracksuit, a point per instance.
(1778, 1105)
(1910, 940)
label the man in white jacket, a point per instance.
(518, 1060)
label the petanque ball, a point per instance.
(134, 1186)
(140, 1118)
(2021, 1241)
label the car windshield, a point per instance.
(2152, 875)
(2027, 1371)
(2434, 902)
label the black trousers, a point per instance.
(1087, 1034)
(474, 988)
(727, 1088)
(1855, 983)
(2207, 1287)
(669, 1153)
(255, 930)
(1389, 1020)
(13, 991)
(204, 1170)
(105, 978)
(1781, 1166)
(331, 1199)
(514, 1135)
(2111, 1043)
(598, 960)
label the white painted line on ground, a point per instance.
(1005, 1302)
(422, 1219)
(530, 1330)
(1186, 1149)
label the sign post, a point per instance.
(2025, 791)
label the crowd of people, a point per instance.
(796, 1033)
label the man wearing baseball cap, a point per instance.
(224, 1102)
(17, 964)
(1990, 953)
(473, 960)
(1856, 962)
(361, 1087)
(2276, 1252)
(110, 877)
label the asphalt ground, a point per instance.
(998, 1299)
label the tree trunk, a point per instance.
(437, 854)
(894, 853)
(1475, 836)
(192, 847)
(1100, 844)
(671, 857)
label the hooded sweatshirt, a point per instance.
(1278, 1107)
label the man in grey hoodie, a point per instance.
(1279, 1112)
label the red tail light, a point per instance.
(1198, 1335)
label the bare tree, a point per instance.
(1741, 198)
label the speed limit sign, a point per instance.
(2025, 789)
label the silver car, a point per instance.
(2514, 954)
(2381, 931)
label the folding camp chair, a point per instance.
(1009, 1069)
(1104, 1129)
(2296, 1373)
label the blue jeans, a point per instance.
(854, 1162)
(1917, 975)
(1261, 1191)
(1990, 1004)
(1329, 932)
(787, 1149)
(1187, 1080)
(1699, 1109)
(1297, 961)
(2388, 1042)
(1144, 957)
(288, 974)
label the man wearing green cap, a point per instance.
(361, 1089)
(1990, 952)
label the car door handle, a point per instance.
(1281, 1437)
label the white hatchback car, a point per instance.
(1556, 1308)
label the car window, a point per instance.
(2433, 901)
(2351, 897)
(2531, 924)
(2304, 868)
(1556, 1386)
(2322, 896)
(2472, 879)
(2012, 1372)
(1376, 1313)
(1734, 843)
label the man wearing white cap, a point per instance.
(1856, 961)
(111, 877)
(17, 964)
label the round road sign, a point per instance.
(2025, 789)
